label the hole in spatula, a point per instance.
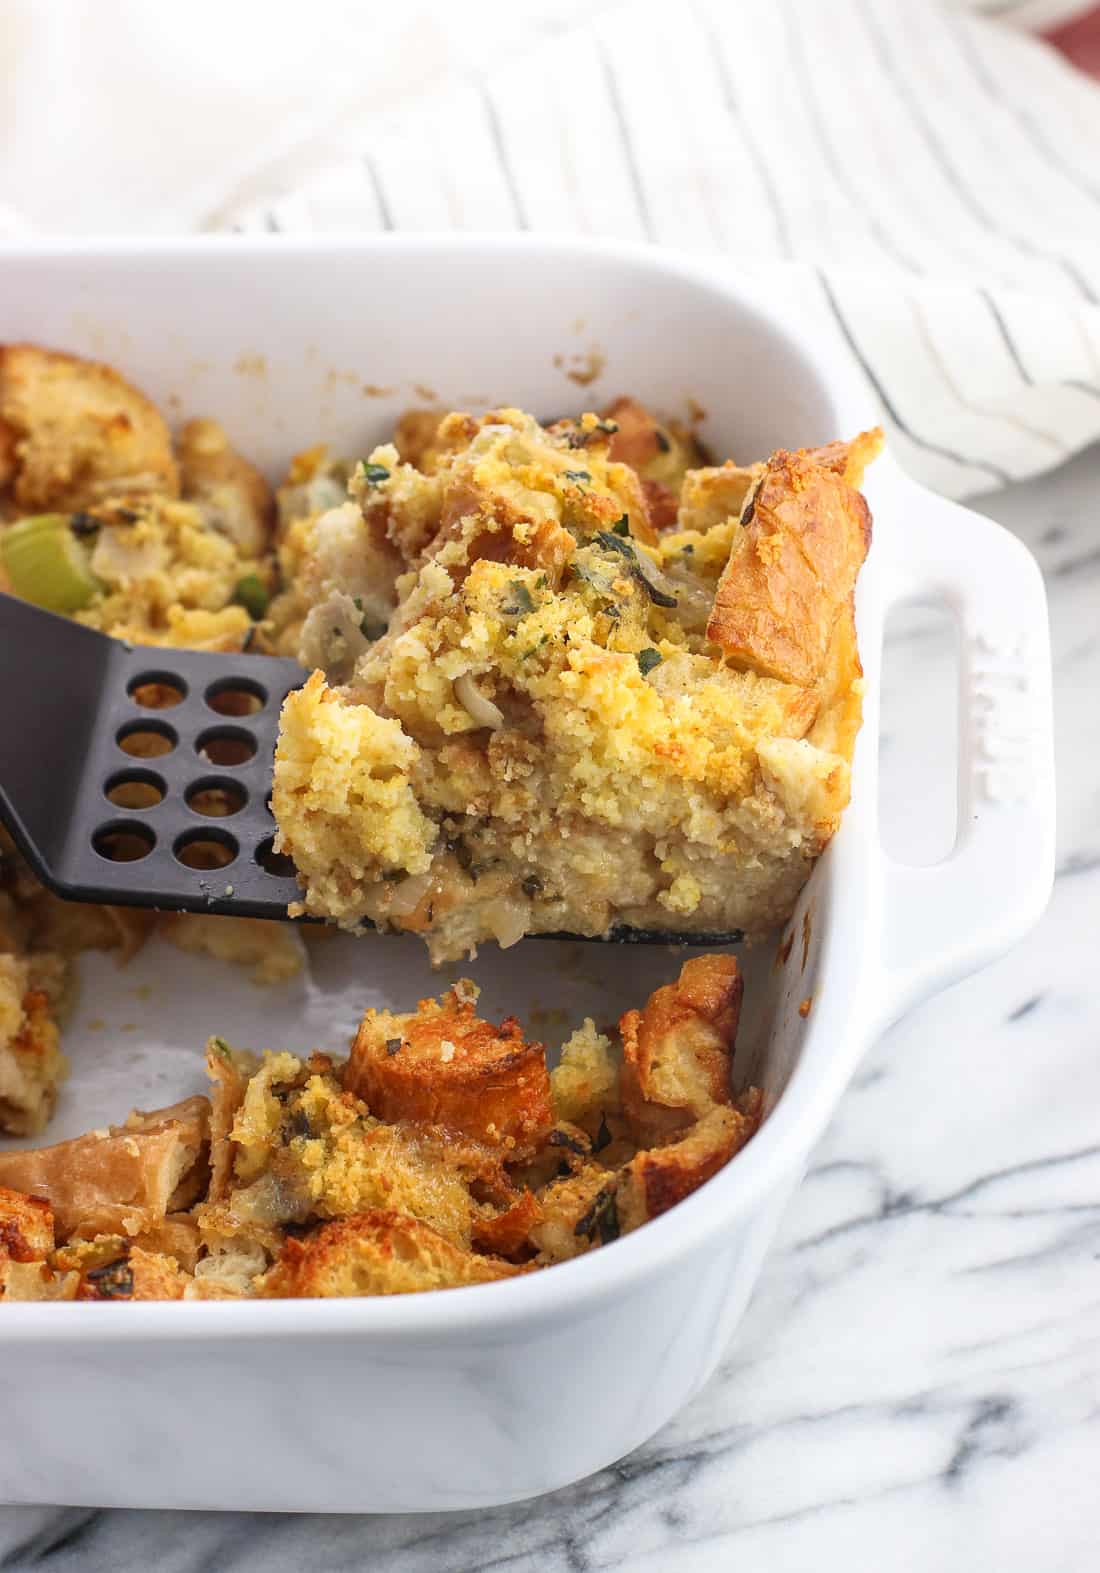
(135, 789)
(206, 849)
(123, 842)
(226, 746)
(272, 862)
(157, 690)
(147, 739)
(236, 696)
(216, 799)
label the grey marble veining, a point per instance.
(916, 1385)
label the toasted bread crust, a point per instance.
(445, 1067)
(75, 431)
(792, 571)
(678, 1051)
(118, 1182)
(376, 1252)
(26, 1227)
(655, 1180)
(508, 1233)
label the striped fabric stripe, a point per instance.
(925, 177)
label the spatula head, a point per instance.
(141, 776)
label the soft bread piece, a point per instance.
(176, 1235)
(678, 1051)
(660, 454)
(232, 494)
(713, 495)
(229, 1071)
(792, 571)
(584, 1082)
(73, 431)
(302, 1145)
(577, 1211)
(444, 1066)
(113, 1267)
(31, 1063)
(508, 1233)
(136, 1274)
(121, 1181)
(655, 1180)
(376, 1252)
(26, 1227)
(26, 1240)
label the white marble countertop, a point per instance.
(916, 1385)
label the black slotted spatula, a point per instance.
(140, 776)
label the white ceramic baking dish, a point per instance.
(488, 1394)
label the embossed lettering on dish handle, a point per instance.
(1001, 703)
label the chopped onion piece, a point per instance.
(480, 710)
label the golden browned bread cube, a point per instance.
(232, 494)
(787, 588)
(376, 1252)
(444, 1066)
(660, 453)
(134, 1274)
(31, 1063)
(26, 1241)
(73, 432)
(678, 1051)
(26, 1226)
(577, 1212)
(656, 1179)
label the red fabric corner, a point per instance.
(1079, 41)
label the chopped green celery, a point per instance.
(251, 593)
(46, 564)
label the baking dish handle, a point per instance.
(942, 922)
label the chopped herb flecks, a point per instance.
(373, 474)
(559, 1138)
(625, 549)
(520, 602)
(602, 1218)
(578, 476)
(647, 660)
(622, 526)
(113, 1281)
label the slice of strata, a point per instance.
(575, 719)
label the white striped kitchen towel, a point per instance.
(930, 177)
